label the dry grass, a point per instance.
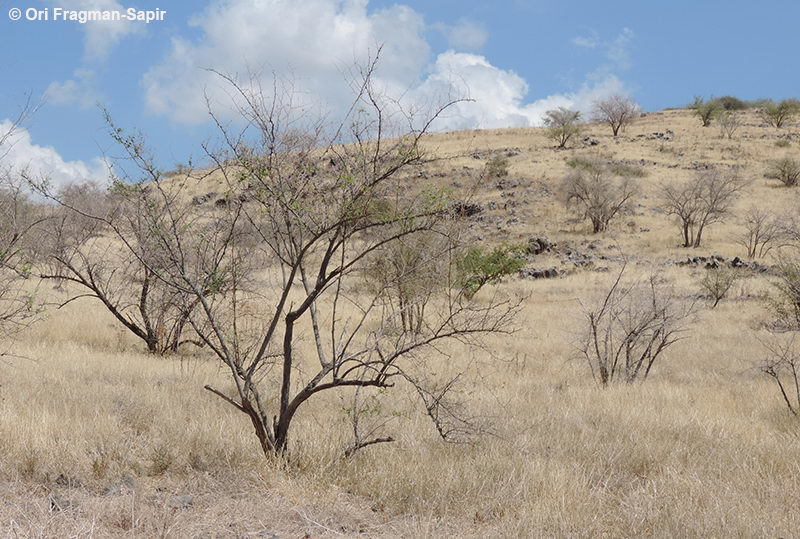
(702, 448)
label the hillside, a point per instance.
(99, 438)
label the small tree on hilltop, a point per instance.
(598, 191)
(778, 114)
(562, 124)
(706, 110)
(617, 111)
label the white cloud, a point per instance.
(499, 95)
(314, 41)
(80, 90)
(465, 35)
(19, 152)
(101, 36)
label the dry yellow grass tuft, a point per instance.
(99, 438)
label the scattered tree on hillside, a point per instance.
(314, 208)
(785, 301)
(562, 124)
(702, 201)
(718, 282)
(20, 222)
(706, 110)
(762, 232)
(778, 114)
(782, 364)
(82, 248)
(729, 122)
(598, 191)
(630, 327)
(617, 111)
(786, 170)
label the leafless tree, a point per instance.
(598, 192)
(630, 328)
(782, 364)
(702, 201)
(20, 222)
(763, 231)
(617, 111)
(81, 248)
(562, 124)
(313, 205)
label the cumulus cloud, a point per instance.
(18, 151)
(497, 96)
(100, 37)
(465, 35)
(314, 41)
(80, 90)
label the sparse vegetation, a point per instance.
(763, 232)
(598, 191)
(729, 123)
(617, 112)
(786, 299)
(786, 170)
(629, 329)
(782, 364)
(702, 201)
(497, 166)
(706, 110)
(780, 113)
(717, 283)
(510, 400)
(562, 124)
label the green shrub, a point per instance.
(729, 102)
(705, 110)
(479, 267)
(778, 114)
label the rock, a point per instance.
(539, 244)
(589, 141)
(534, 273)
(202, 199)
(465, 209)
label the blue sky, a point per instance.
(517, 58)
